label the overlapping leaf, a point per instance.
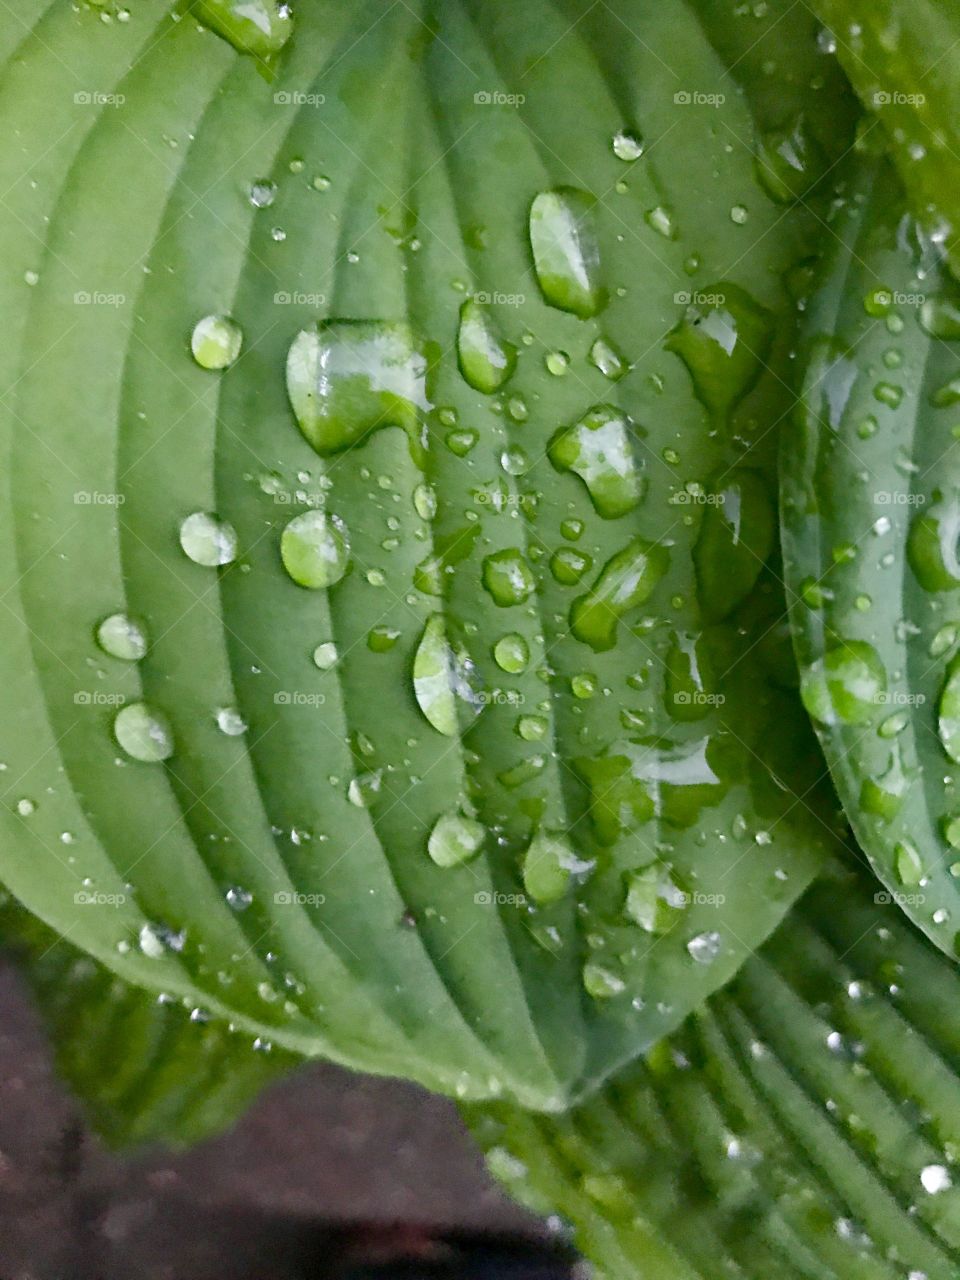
(803, 1125)
(902, 60)
(870, 507)
(421, 736)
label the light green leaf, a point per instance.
(871, 487)
(285, 498)
(805, 1124)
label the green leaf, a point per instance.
(805, 1124)
(146, 1068)
(902, 59)
(871, 486)
(251, 415)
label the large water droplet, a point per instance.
(932, 545)
(315, 550)
(507, 577)
(789, 161)
(511, 654)
(845, 685)
(547, 865)
(566, 255)
(723, 339)
(626, 581)
(208, 540)
(257, 27)
(598, 449)
(455, 839)
(654, 899)
(122, 637)
(948, 722)
(347, 378)
(486, 359)
(216, 342)
(144, 734)
(441, 677)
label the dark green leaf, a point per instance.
(871, 487)
(508, 652)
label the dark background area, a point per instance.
(329, 1175)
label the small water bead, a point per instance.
(156, 940)
(511, 654)
(892, 725)
(935, 1178)
(122, 637)
(739, 214)
(320, 182)
(932, 545)
(382, 639)
(455, 839)
(425, 501)
(888, 393)
(325, 656)
(601, 982)
(507, 577)
(143, 733)
(263, 193)
(788, 162)
(557, 363)
(568, 565)
(315, 550)
(514, 461)
(208, 540)
(517, 410)
(32, 277)
(230, 721)
(584, 685)
(661, 220)
(705, 947)
(627, 145)
(566, 253)
(25, 807)
(907, 863)
(216, 342)
(950, 827)
(532, 728)
(462, 441)
(605, 357)
(572, 530)
(944, 640)
(238, 899)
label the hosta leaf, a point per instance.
(146, 1068)
(870, 492)
(805, 1124)
(903, 60)
(424, 683)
